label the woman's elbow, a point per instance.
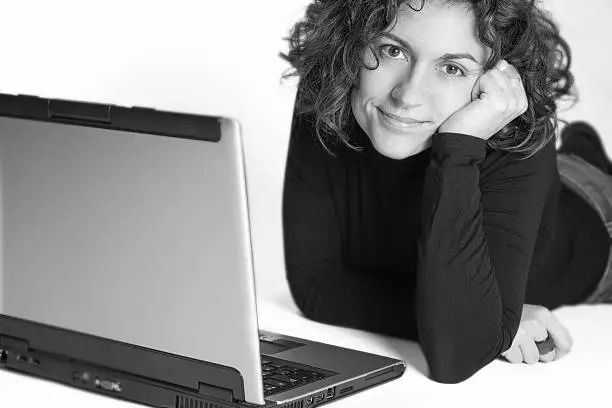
(451, 365)
(451, 373)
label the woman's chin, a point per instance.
(399, 147)
(394, 152)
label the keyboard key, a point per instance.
(276, 383)
(278, 376)
(300, 376)
(285, 379)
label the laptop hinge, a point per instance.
(217, 392)
(13, 343)
(87, 112)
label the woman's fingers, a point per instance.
(539, 330)
(490, 85)
(561, 336)
(496, 100)
(536, 330)
(514, 355)
(508, 75)
(530, 352)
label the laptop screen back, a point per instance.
(130, 236)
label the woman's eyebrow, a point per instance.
(447, 56)
(461, 55)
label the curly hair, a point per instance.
(326, 49)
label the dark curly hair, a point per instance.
(326, 49)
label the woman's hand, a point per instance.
(498, 97)
(537, 323)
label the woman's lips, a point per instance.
(400, 122)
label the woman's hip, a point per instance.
(595, 187)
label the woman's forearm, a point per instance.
(474, 256)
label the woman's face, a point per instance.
(426, 73)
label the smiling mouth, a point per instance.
(399, 121)
(409, 121)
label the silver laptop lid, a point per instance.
(133, 237)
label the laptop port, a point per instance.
(319, 397)
(330, 393)
(309, 400)
(108, 385)
(81, 376)
(33, 362)
(345, 390)
(3, 357)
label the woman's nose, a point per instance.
(407, 93)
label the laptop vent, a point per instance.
(297, 404)
(184, 402)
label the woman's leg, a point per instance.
(581, 139)
(586, 177)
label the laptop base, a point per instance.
(144, 391)
(111, 383)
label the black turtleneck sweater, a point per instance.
(443, 247)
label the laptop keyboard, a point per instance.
(280, 376)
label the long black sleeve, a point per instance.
(477, 241)
(351, 228)
(322, 286)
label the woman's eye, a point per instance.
(452, 70)
(393, 51)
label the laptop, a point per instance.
(126, 264)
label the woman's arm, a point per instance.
(469, 309)
(477, 241)
(322, 287)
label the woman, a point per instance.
(424, 197)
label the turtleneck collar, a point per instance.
(415, 163)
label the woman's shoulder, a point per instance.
(308, 146)
(303, 137)
(503, 164)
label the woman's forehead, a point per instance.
(439, 27)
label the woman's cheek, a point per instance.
(374, 83)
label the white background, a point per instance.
(221, 58)
(205, 57)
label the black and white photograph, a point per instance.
(297, 203)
